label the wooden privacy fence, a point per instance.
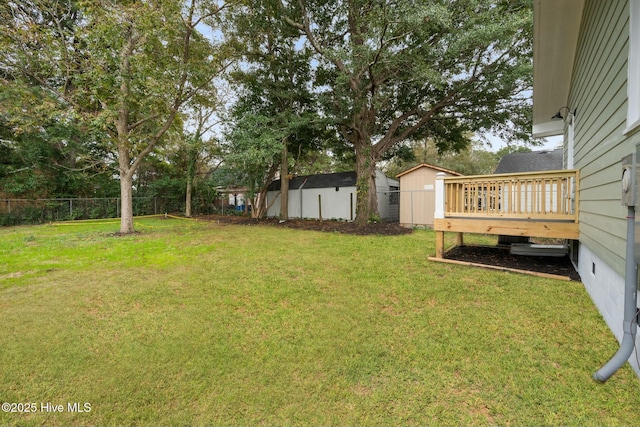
(549, 195)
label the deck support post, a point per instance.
(459, 239)
(440, 244)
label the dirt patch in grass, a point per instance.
(382, 228)
(501, 257)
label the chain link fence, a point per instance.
(35, 211)
(410, 208)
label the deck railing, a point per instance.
(548, 195)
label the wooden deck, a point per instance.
(534, 204)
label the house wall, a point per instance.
(599, 92)
(606, 288)
(236, 199)
(418, 197)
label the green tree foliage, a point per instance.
(124, 68)
(472, 160)
(255, 147)
(44, 151)
(276, 125)
(390, 71)
(508, 149)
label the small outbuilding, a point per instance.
(417, 194)
(332, 196)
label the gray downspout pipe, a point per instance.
(629, 324)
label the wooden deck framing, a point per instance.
(535, 204)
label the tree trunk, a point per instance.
(126, 202)
(260, 198)
(284, 183)
(191, 172)
(367, 197)
(122, 127)
(187, 202)
(259, 205)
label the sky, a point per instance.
(549, 143)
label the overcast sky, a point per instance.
(550, 143)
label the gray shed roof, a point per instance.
(531, 162)
(325, 180)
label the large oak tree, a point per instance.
(388, 71)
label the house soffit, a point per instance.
(556, 27)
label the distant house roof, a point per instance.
(426, 165)
(531, 162)
(325, 180)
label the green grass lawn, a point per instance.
(195, 323)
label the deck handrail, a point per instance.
(545, 195)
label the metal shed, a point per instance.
(332, 196)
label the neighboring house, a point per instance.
(533, 161)
(332, 196)
(417, 194)
(232, 197)
(587, 68)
